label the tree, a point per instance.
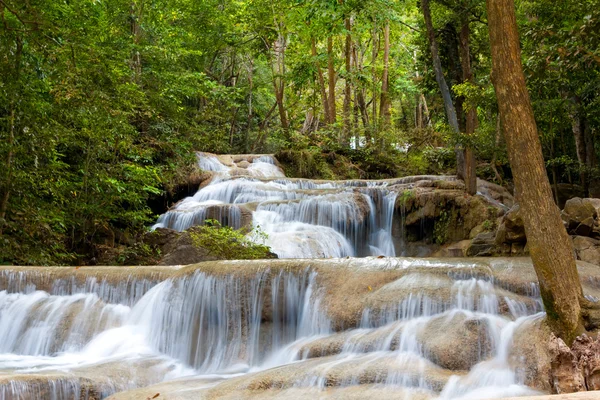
(547, 238)
(465, 165)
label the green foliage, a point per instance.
(441, 226)
(227, 243)
(488, 225)
(102, 103)
(440, 159)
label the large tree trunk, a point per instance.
(384, 104)
(548, 242)
(441, 81)
(321, 81)
(347, 84)
(471, 117)
(331, 79)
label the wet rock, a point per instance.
(530, 356)
(457, 343)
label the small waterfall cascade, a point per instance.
(302, 218)
(428, 332)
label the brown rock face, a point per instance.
(587, 351)
(575, 369)
(566, 374)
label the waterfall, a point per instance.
(236, 321)
(302, 218)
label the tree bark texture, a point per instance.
(331, 81)
(322, 88)
(441, 81)
(548, 241)
(347, 84)
(384, 104)
(470, 177)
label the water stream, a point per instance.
(429, 331)
(238, 327)
(302, 218)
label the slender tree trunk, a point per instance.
(471, 117)
(359, 93)
(579, 135)
(250, 110)
(384, 104)
(441, 81)
(137, 13)
(548, 241)
(375, 45)
(347, 84)
(279, 80)
(322, 88)
(331, 81)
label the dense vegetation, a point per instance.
(103, 101)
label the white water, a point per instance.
(225, 326)
(302, 219)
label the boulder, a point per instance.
(578, 210)
(575, 369)
(566, 374)
(585, 228)
(458, 249)
(482, 245)
(510, 230)
(587, 351)
(587, 249)
(514, 226)
(529, 353)
(457, 343)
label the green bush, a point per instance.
(227, 243)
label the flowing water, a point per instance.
(302, 218)
(237, 324)
(341, 328)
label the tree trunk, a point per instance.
(279, 80)
(384, 104)
(441, 81)
(347, 85)
(359, 94)
(250, 110)
(374, 81)
(137, 13)
(548, 241)
(331, 81)
(322, 88)
(580, 143)
(471, 117)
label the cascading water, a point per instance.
(236, 322)
(302, 219)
